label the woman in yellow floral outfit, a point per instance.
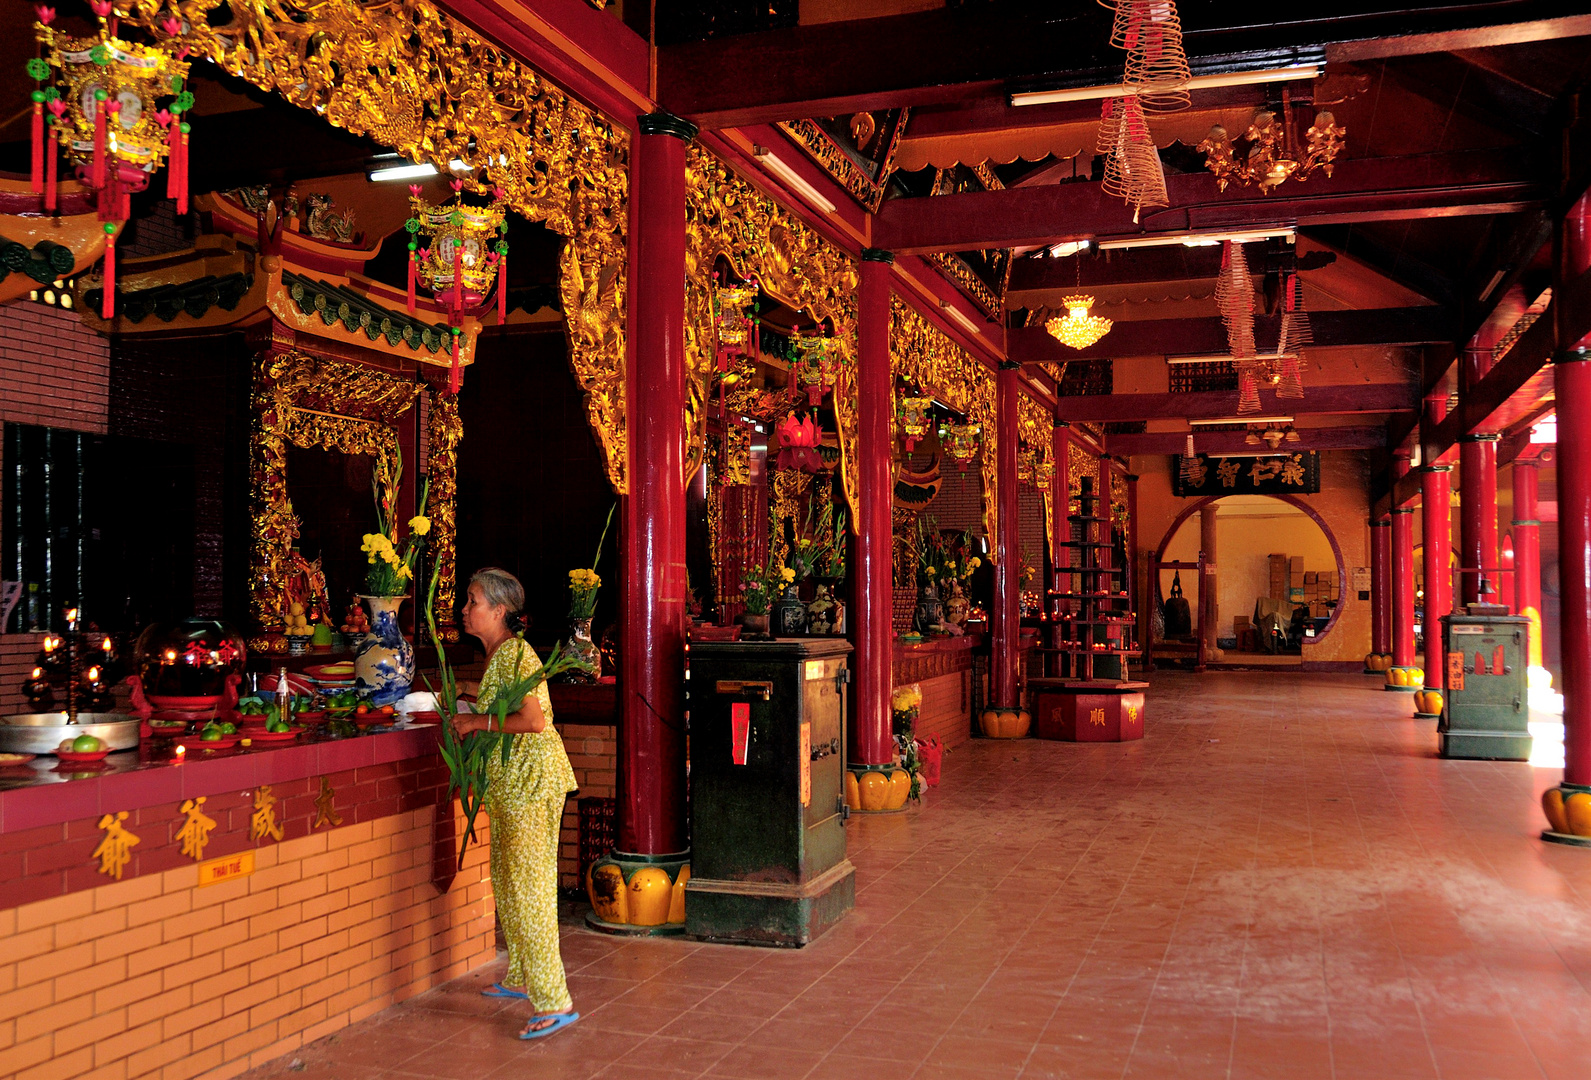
(525, 800)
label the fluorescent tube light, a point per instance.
(955, 313)
(1198, 239)
(1224, 358)
(403, 172)
(1241, 420)
(1198, 82)
(414, 172)
(798, 183)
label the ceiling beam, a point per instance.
(1140, 266)
(1207, 336)
(1346, 399)
(1360, 189)
(1216, 443)
(946, 54)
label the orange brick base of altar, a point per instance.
(158, 976)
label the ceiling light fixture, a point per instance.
(1197, 82)
(1218, 420)
(1272, 152)
(407, 171)
(1248, 236)
(1079, 327)
(956, 313)
(798, 183)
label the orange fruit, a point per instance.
(1552, 806)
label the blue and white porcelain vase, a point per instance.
(384, 659)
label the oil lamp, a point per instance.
(736, 330)
(818, 366)
(960, 441)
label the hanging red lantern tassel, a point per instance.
(182, 166)
(413, 273)
(458, 277)
(107, 307)
(38, 145)
(49, 172)
(502, 289)
(99, 150)
(455, 377)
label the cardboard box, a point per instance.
(1296, 596)
(1296, 564)
(1297, 579)
(1240, 623)
(1311, 577)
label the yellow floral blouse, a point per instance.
(538, 768)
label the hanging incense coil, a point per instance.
(1190, 461)
(1234, 298)
(1248, 388)
(1132, 164)
(1290, 380)
(1157, 64)
(1295, 329)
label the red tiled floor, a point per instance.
(1282, 880)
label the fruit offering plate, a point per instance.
(199, 742)
(420, 719)
(11, 761)
(319, 716)
(75, 757)
(275, 736)
(340, 672)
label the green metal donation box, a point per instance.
(1485, 706)
(768, 863)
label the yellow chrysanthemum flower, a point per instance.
(419, 525)
(787, 574)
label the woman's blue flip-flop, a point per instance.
(499, 990)
(560, 1021)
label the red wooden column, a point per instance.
(652, 686)
(1381, 586)
(1436, 488)
(1005, 619)
(1477, 516)
(871, 741)
(1527, 551)
(1402, 575)
(1573, 373)
(1060, 554)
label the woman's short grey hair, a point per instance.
(498, 586)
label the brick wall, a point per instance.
(158, 231)
(593, 750)
(153, 976)
(55, 373)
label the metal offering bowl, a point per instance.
(41, 733)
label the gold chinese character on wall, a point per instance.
(326, 806)
(116, 847)
(195, 831)
(264, 822)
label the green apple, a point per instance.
(86, 744)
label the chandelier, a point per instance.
(461, 259)
(100, 94)
(1272, 435)
(1079, 327)
(960, 441)
(1272, 154)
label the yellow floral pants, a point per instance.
(524, 858)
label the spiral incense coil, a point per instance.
(1290, 383)
(1157, 65)
(1248, 388)
(1132, 164)
(1234, 298)
(1296, 330)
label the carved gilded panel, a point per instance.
(727, 217)
(411, 77)
(921, 352)
(1036, 425)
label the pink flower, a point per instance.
(102, 8)
(414, 189)
(46, 14)
(163, 117)
(171, 25)
(58, 107)
(456, 185)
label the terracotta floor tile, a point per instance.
(1312, 893)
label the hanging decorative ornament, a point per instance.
(1296, 332)
(1043, 473)
(960, 441)
(798, 444)
(461, 260)
(1190, 461)
(1133, 172)
(819, 366)
(1026, 461)
(1157, 64)
(913, 418)
(734, 321)
(96, 105)
(1079, 327)
(1271, 154)
(1234, 298)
